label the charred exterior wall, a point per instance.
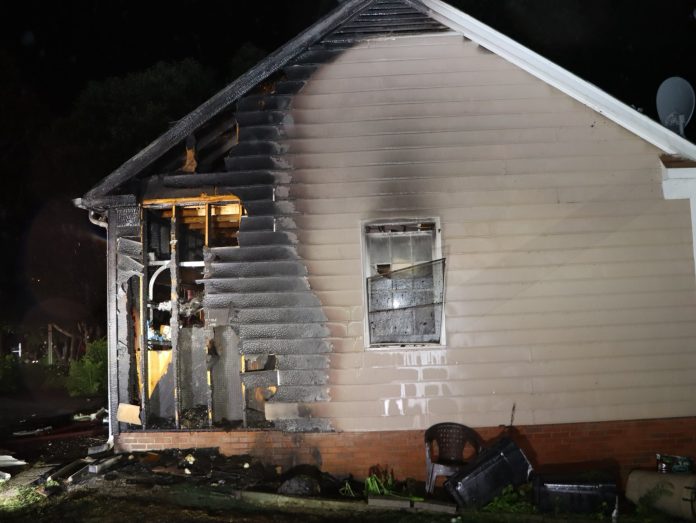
(569, 285)
(124, 270)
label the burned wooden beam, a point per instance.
(222, 100)
(174, 320)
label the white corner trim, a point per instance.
(680, 184)
(560, 78)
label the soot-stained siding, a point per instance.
(260, 286)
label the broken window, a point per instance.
(405, 282)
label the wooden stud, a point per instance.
(174, 320)
(144, 347)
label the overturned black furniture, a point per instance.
(444, 450)
(586, 492)
(496, 467)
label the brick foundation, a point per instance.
(625, 444)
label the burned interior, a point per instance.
(214, 316)
(212, 322)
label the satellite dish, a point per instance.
(675, 103)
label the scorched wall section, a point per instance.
(570, 287)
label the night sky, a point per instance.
(65, 122)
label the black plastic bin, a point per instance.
(586, 493)
(496, 467)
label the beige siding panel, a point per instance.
(413, 153)
(430, 139)
(521, 92)
(420, 123)
(642, 410)
(630, 348)
(425, 203)
(606, 254)
(523, 305)
(553, 335)
(445, 79)
(429, 59)
(426, 390)
(591, 287)
(344, 234)
(609, 381)
(336, 282)
(347, 251)
(645, 160)
(568, 241)
(624, 363)
(466, 58)
(340, 298)
(571, 319)
(569, 272)
(601, 397)
(410, 47)
(580, 287)
(570, 280)
(626, 210)
(570, 224)
(314, 110)
(334, 268)
(310, 187)
(579, 166)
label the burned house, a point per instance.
(402, 217)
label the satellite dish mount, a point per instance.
(675, 103)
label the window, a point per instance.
(404, 282)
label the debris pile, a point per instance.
(499, 478)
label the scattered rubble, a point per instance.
(34, 432)
(500, 478)
(9, 461)
(98, 415)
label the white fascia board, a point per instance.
(679, 183)
(560, 78)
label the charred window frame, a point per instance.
(404, 276)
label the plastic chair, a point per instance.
(444, 450)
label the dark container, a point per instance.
(496, 467)
(583, 493)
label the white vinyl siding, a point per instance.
(569, 280)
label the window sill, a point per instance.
(406, 347)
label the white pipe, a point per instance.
(98, 220)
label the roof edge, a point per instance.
(558, 77)
(222, 99)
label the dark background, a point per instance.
(86, 84)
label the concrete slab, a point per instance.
(104, 464)
(435, 506)
(29, 476)
(388, 502)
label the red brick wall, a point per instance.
(624, 444)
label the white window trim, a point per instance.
(366, 271)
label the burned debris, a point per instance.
(211, 307)
(211, 296)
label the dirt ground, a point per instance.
(86, 507)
